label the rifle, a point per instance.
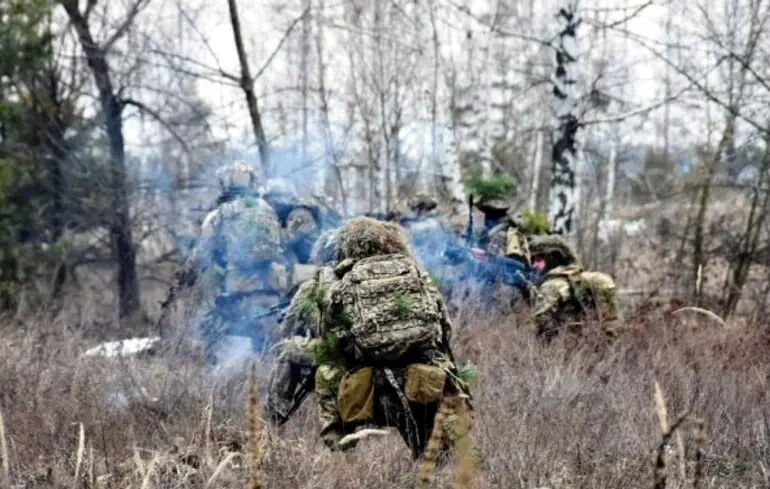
(305, 387)
(186, 278)
(493, 268)
(275, 309)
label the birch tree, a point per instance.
(565, 153)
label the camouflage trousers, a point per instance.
(291, 367)
(414, 424)
(237, 315)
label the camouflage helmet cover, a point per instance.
(362, 237)
(237, 175)
(422, 201)
(542, 245)
(279, 187)
(493, 205)
(325, 247)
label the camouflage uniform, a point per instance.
(239, 258)
(569, 296)
(380, 282)
(299, 219)
(300, 328)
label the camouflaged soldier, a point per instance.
(300, 328)
(569, 296)
(239, 259)
(300, 220)
(495, 211)
(427, 232)
(384, 357)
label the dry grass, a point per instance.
(563, 416)
(679, 401)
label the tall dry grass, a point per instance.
(569, 415)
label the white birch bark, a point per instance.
(566, 152)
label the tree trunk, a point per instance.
(750, 240)
(565, 154)
(120, 227)
(329, 145)
(247, 86)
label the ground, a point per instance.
(558, 416)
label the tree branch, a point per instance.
(135, 9)
(277, 49)
(157, 117)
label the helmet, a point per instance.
(552, 244)
(494, 205)
(422, 202)
(237, 175)
(325, 248)
(279, 189)
(361, 237)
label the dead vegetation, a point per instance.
(564, 416)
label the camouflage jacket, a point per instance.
(508, 240)
(571, 295)
(239, 250)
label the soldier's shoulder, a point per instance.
(555, 286)
(598, 279)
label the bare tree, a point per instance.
(246, 82)
(112, 108)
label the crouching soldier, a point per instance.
(292, 377)
(384, 356)
(570, 297)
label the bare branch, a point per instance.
(730, 108)
(157, 117)
(277, 49)
(135, 9)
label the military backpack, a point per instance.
(390, 308)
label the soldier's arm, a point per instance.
(299, 316)
(202, 254)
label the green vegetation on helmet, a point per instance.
(493, 193)
(533, 222)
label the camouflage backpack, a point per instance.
(389, 307)
(602, 291)
(592, 290)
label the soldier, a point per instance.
(301, 326)
(240, 259)
(300, 220)
(384, 356)
(569, 296)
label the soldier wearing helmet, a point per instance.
(570, 296)
(300, 219)
(240, 259)
(300, 330)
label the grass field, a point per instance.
(569, 415)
